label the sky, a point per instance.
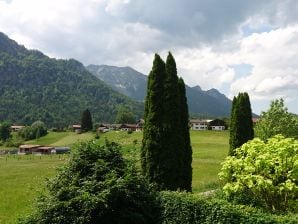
(231, 45)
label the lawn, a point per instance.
(209, 150)
(21, 177)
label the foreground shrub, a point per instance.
(188, 208)
(97, 186)
(264, 172)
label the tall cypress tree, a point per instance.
(86, 121)
(172, 154)
(166, 152)
(232, 127)
(241, 122)
(152, 146)
(186, 171)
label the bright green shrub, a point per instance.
(265, 172)
(188, 208)
(97, 186)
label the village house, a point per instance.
(76, 128)
(217, 125)
(16, 127)
(35, 149)
(128, 127)
(200, 125)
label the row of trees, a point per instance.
(166, 153)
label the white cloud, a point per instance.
(273, 56)
(207, 38)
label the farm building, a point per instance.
(35, 149)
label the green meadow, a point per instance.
(22, 178)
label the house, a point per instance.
(198, 124)
(16, 127)
(43, 150)
(27, 149)
(217, 125)
(76, 127)
(128, 127)
(104, 128)
(114, 127)
(140, 125)
(35, 149)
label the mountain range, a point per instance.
(36, 87)
(133, 84)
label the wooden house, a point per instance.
(35, 149)
(217, 125)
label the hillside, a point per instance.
(134, 84)
(34, 86)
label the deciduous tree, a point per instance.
(276, 120)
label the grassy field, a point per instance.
(21, 177)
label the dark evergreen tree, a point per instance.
(86, 121)
(241, 122)
(166, 152)
(232, 127)
(173, 145)
(186, 171)
(4, 131)
(152, 135)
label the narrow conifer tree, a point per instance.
(241, 122)
(232, 127)
(166, 154)
(152, 147)
(86, 121)
(186, 171)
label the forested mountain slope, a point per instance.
(36, 87)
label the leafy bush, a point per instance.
(97, 186)
(36, 130)
(264, 172)
(188, 208)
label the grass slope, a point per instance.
(61, 138)
(21, 179)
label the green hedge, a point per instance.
(190, 209)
